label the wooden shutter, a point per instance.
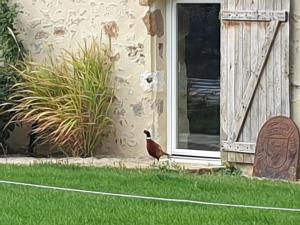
(254, 69)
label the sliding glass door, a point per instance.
(195, 78)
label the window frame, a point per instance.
(172, 136)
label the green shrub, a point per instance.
(69, 98)
(11, 50)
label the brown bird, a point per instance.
(154, 149)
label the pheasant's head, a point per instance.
(147, 133)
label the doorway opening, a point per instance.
(195, 78)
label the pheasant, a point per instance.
(154, 149)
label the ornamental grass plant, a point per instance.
(68, 98)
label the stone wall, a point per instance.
(52, 25)
(138, 32)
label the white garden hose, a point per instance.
(147, 197)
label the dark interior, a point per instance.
(202, 61)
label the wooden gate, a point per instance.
(254, 69)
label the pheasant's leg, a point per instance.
(169, 162)
(153, 164)
(157, 162)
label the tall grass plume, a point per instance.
(69, 98)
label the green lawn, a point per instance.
(26, 205)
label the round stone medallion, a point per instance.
(277, 149)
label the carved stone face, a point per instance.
(276, 150)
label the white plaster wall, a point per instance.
(51, 25)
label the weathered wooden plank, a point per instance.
(231, 69)
(224, 4)
(253, 15)
(262, 93)
(277, 67)
(238, 147)
(239, 157)
(285, 89)
(224, 156)
(223, 78)
(238, 92)
(244, 158)
(247, 131)
(231, 156)
(270, 71)
(238, 57)
(254, 53)
(253, 81)
(249, 158)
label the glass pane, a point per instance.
(198, 76)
